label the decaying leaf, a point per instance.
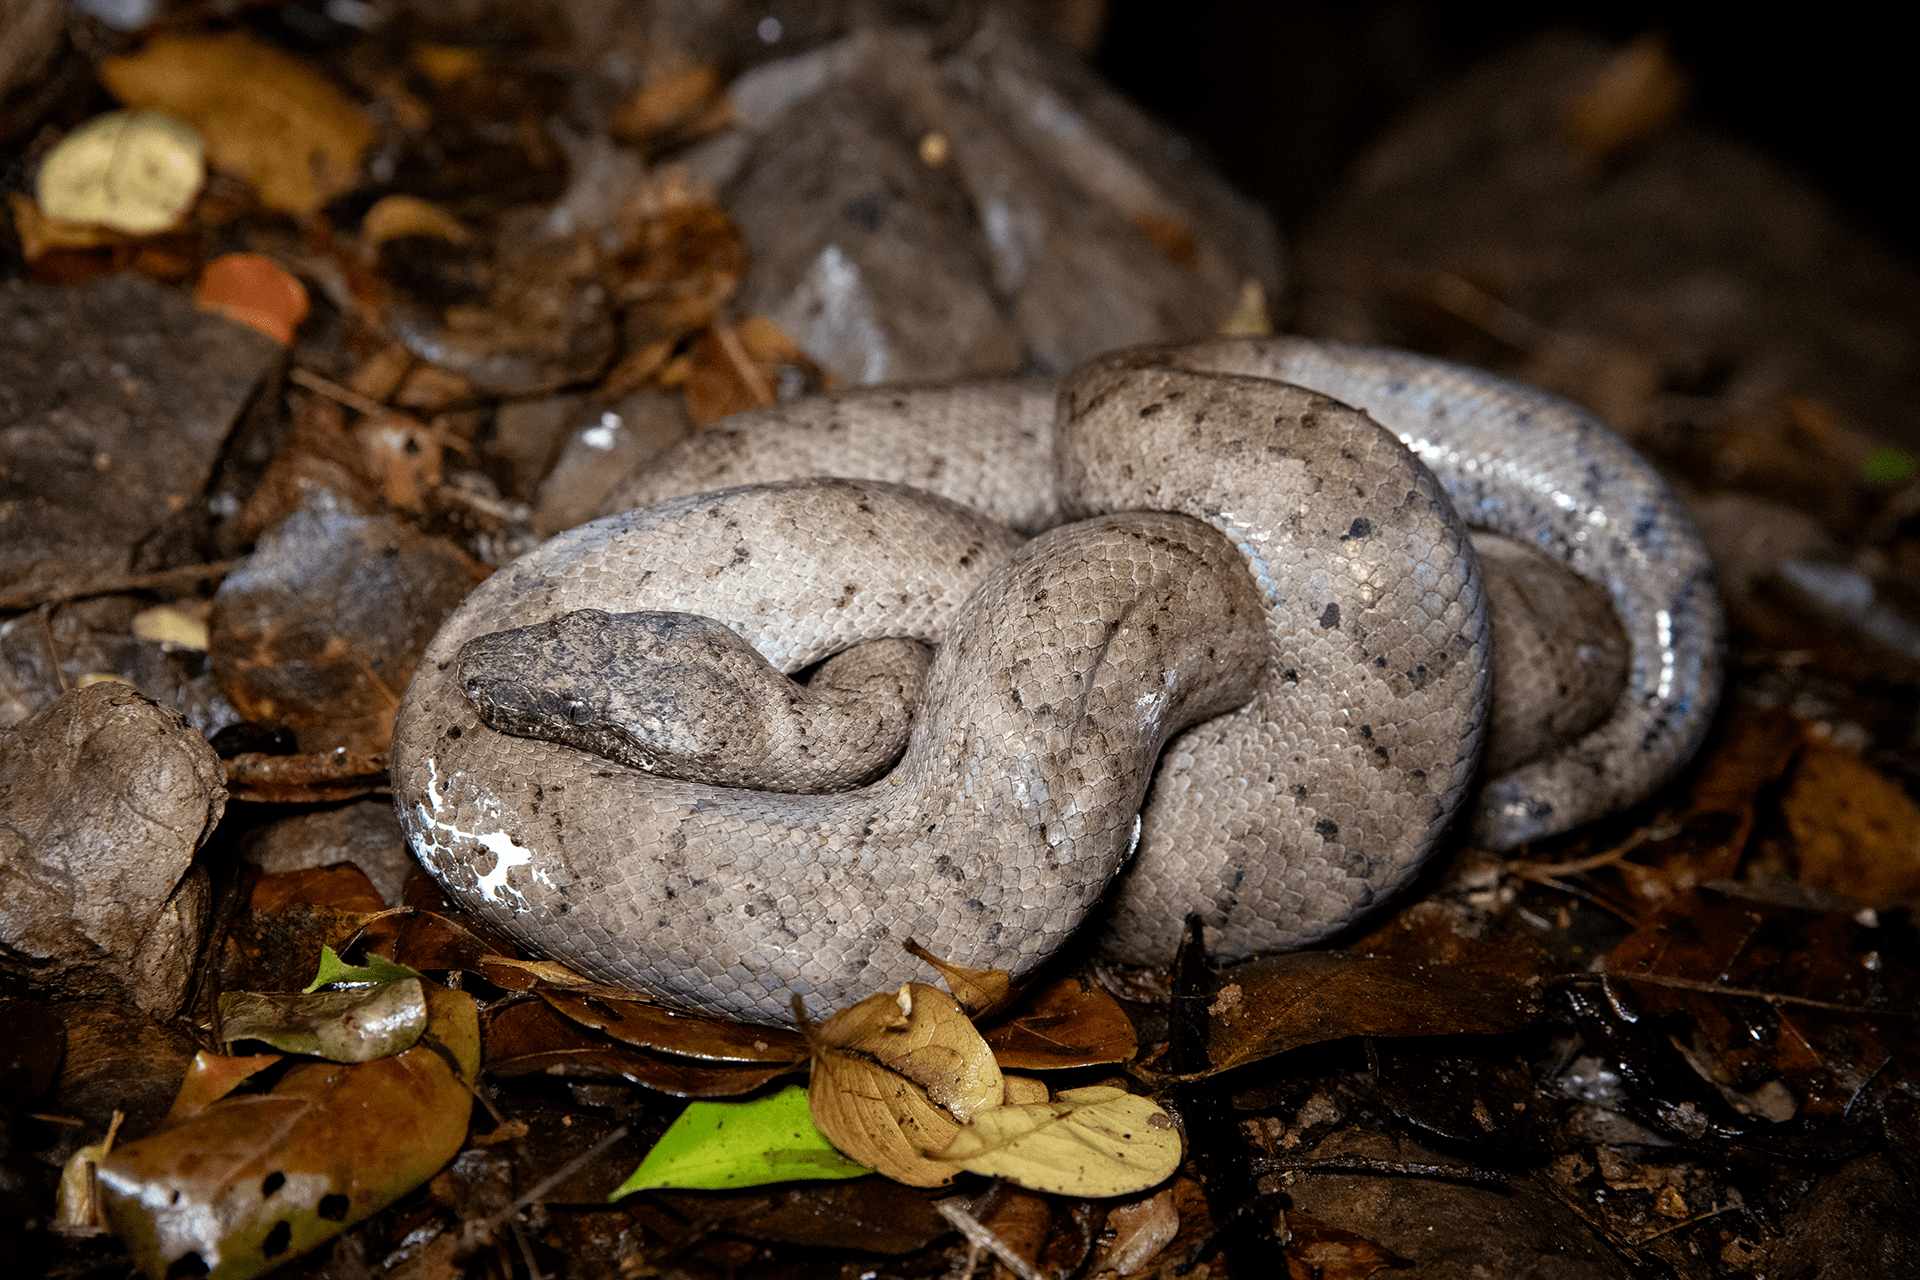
(393, 217)
(1320, 1251)
(211, 1077)
(1067, 1023)
(134, 171)
(1636, 96)
(75, 1210)
(921, 1032)
(1855, 832)
(741, 1144)
(258, 1178)
(341, 1026)
(263, 114)
(1097, 1141)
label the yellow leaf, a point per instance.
(1097, 1141)
(921, 1032)
(134, 171)
(171, 625)
(395, 216)
(880, 1118)
(264, 114)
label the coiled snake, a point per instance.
(1308, 626)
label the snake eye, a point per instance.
(578, 712)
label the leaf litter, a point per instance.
(1683, 1038)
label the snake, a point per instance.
(1209, 635)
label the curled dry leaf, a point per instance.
(529, 1038)
(393, 217)
(253, 1180)
(921, 1032)
(741, 1144)
(134, 171)
(263, 114)
(1097, 1141)
(880, 1118)
(653, 1026)
(979, 991)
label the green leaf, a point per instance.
(356, 1025)
(741, 1144)
(335, 972)
(1886, 466)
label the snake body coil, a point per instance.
(1279, 820)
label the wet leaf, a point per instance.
(921, 1032)
(358, 1025)
(1776, 993)
(335, 972)
(979, 991)
(529, 1037)
(134, 171)
(1068, 1023)
(252, 289)
(263, 114)
(741, 1144)
(1097, 1141)
(256, 1179)
(653, 1026)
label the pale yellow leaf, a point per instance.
(134, 171)
(1097, 1141)
(921, 1032)
(880, 1118)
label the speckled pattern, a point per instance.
(1280, 821)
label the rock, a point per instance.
(920, 213)
(364, 832)
(104, 797)
(116, 399)
(320, 629)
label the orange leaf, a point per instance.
(250, 289)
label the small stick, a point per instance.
(980, 1236)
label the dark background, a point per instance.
(1284, 95)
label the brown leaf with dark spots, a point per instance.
(528, 1037)
(1068, 1023)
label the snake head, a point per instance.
(656, 691)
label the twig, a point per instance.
(373, 408)
(1366, 1164)
(980, 1236)
(158, 580)
(1738, 993)
(485, 1227)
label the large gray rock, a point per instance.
(921, 212)
(104, 796)
(116, 397)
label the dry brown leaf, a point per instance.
(1634, 98)
(673, 106)
(529, 1038)
(392, 217)
(1855, 832)
(1318, 1251)
(880, 1118)
(979, 991)
(922, 1032)
(1067, 1023)
(653, 1026)
(264, 114)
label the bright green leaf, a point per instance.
(741, 1144)
(1097, 1141)
(356, 1025)
(335, 972)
